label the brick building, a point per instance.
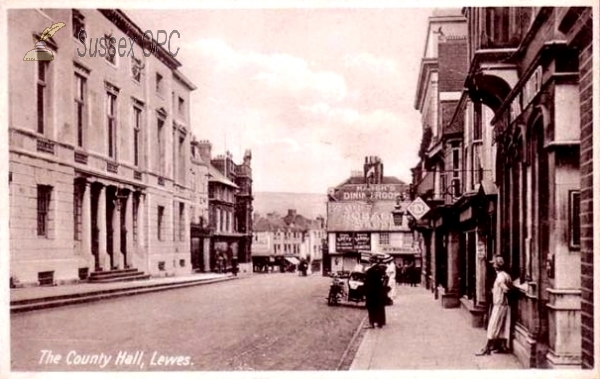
(525, 176)
(436, 178)
(535, 101)
(228, 233)
(99, 162)
(576, 24)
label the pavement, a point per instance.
(420, 334)
(41, 297)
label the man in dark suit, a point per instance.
(375, 295)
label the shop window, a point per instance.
(384, 238)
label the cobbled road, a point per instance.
(262, 322)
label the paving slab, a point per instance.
(420, 334)
(17, 294)
(42, 297)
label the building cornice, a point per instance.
(183, 80)
(127, 26)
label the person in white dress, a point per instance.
(391, 273)
(498, 329)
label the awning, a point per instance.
(292, 260)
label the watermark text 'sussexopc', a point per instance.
(108, 44)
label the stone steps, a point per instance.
(112, 276)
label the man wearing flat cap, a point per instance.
(498, 330)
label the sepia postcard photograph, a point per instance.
(324, 189)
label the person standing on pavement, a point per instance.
(375, 295)
(498, 330)
(234, 266)
(390, 271)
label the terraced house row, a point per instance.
(505, 95)
(105, 173)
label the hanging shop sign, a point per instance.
(418, 208)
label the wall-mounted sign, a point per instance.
(344, 242)
(352, 241)
(376, 192)
(362, 241)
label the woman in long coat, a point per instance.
(498, 330)
(375, 295)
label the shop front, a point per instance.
(224, 252)
(476, 219)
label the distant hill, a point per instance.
(309, 205)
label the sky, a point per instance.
(310, 92)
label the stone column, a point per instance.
(142, 248)
(129, 226)
(116, 222)
(564, 295)
(432, 277)
(450, 298)
(206, 254)
(480, 271)
(86, 226)
(102, 254)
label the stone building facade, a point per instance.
(576, 24)
(99, 161)
(527, 86)
(435, 178)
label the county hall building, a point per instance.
(99, 154)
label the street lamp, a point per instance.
(399, 211)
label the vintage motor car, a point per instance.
(346, 289)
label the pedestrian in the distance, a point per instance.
(399, 274)
(498, 330)
(234, 266)
(375, 296)
(390, 271)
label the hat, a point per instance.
(498, 259)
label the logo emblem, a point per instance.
(41, 52)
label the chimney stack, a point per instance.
(204, 149)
